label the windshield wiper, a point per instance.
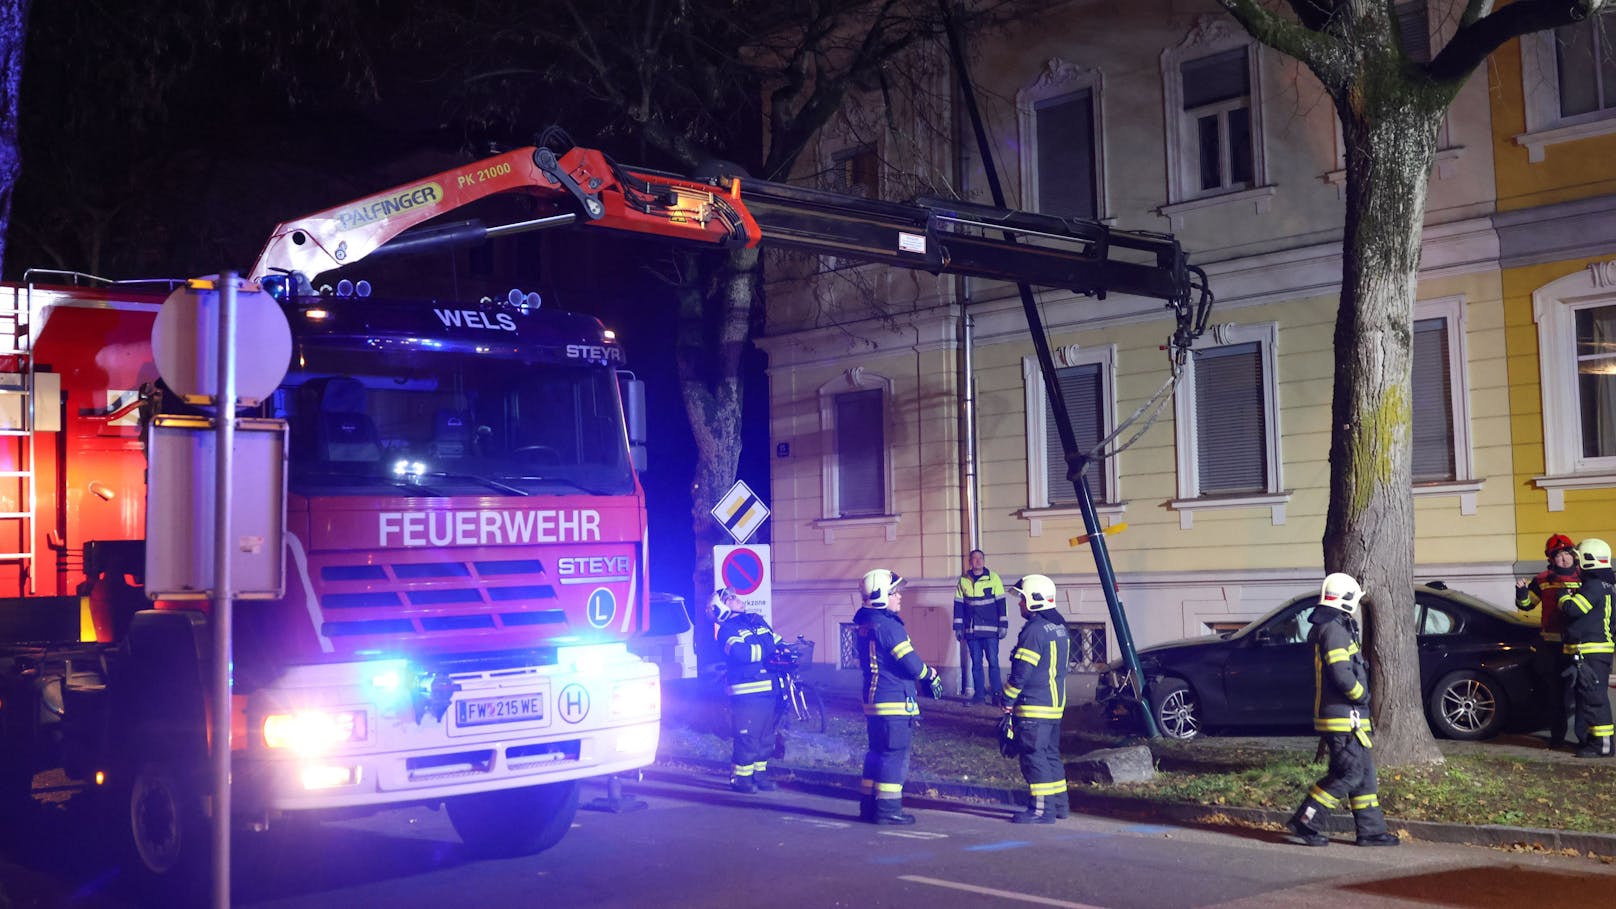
(565, 482)
(474, 478)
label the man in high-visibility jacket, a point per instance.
(980, 623)
(1341, 715)
(1551, 665)
(893, 675)
(1036, 697)
(748, 642)
(1588, 644)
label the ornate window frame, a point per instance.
(1058, 79)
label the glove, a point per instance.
(1003, 632)
(959, 635)
(935, 686)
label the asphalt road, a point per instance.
(699, 845)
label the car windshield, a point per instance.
(438, 423)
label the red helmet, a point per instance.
(1556, 543)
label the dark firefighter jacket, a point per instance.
(748, 643)
(979, 605)
(1587, 617)
(1546, 590)
(1037, 684)
(889, 664)
(1340, 674)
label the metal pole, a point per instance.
(1075, 460)
(223, 465)
(973, 503)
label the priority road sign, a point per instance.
(740, 512)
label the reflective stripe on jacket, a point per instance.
(748, 642)
(1340, 674)
(1037, 684)
(979, 605)
(1546, 590)
(1587, 617)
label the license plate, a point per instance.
(515, 708)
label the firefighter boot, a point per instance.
(1378, 839)
(1062, 804)
(1597, 746)
(1040, 810)
(889, 813)
(763, 781)
(743, 784)
(1301, 827)
(867, 808)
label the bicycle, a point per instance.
(801, 705)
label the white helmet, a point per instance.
(1341, 591)
(718, 606)
(1592, 554)
(878, 585)
(1037, 590)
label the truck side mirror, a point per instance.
(668, 614)
(633, 394)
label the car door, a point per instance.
(1437, 627)
(1268, 677)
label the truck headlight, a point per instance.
(314, 731)
(641, 698)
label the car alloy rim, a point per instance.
(1468, 705)
(1178, 715)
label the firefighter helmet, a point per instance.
(879, 585)
(1556, 543)
(1592, 554)
(1341, 591)
(1037, 590)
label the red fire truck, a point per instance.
(464, 535)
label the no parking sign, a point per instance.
(745, 571)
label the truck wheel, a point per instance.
(166, 843)
(514, 822)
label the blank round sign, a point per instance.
(185, 343)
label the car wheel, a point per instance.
(513, 822)
(1177, 709)
(1467, 705)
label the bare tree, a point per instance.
(1390, 106)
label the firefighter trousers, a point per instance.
(1549, 676)
(752, 728)
(886, 763)
(1041, 766)
(1349, 783)
(1590, 688)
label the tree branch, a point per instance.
(1474, 42)
(1319, 51)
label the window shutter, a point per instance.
(1219, 77)
(1433, 402)
(1414, 28)
(1082, 387)
(1230, 423)
(1066, 156)
(860, 453)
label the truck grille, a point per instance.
(384, 594)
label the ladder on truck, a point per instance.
(18, 490)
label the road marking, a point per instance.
(1149, 829)
(989, 891)
(915, 834)
(821, 823)
(997, 847)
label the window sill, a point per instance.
(831, 525)
(1260, 198)
(1445, 166)
(1035, 517)
(1275, 501)
(1466, 490)
(1535, 142)
(1556, 486)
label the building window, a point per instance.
(1433, 407)
(1217, 110)
(847, 637)
(1062, 156)
(855, 172)
(857, 469)
(1224, 629)
(1584, 67)
(1087, 377)
(1569, 83)
(1576, 330)
(1227, 414)
(1414, 29)
(1212, 94)
(1088, 652)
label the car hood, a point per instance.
(1183, 644)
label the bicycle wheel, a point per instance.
(811, 708)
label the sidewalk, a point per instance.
(957, 716)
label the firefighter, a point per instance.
(1341, 715)
(1588, 645)
(891, 671)
(1036, 697)
(747, 642)
(980, 623)
(1551, 664)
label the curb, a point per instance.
(1496, 836)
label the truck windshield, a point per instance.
(437, 423)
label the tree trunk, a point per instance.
(13, 35)
(709, 363)
(1390, 144)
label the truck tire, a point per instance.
(514, 822)
(167, 850)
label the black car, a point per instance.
(1475, 671)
